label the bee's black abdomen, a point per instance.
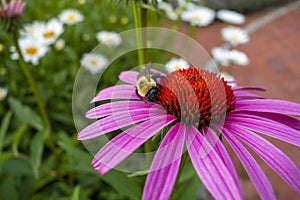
(152, 94)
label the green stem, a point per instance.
(37, 96)
(180, 170)
(33, 86)
(140, 21)
(139, 35)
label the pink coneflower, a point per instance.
(200, 109)
(12, 9)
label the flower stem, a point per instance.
(180, 170)
(139, 35)
(33, 86)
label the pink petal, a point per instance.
(119, 106)
(117, 121)
(247, 88)
(254, 171)
(216, 143)
(268, 105)
(128, 141)
(246, 95)
(129, 77)
(273, 156)
(265, 126)
(116, 92)
(210, 167)
(164, 167)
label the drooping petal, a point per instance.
(266, 126)
(214, 141)
(164, 167)
(117, 121)
(116, 92)
(273, 156)
(234, 88)
(128, 141)
(257, 176)
(246, 95)
(114, 107)
(129, 76)
(210, 167)
(269, 105)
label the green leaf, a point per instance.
(3, 129)
(123, 184)
(188, 189)
(25, 113)
(36, 150)
(17, 138)
(75, 195)
(8, 188)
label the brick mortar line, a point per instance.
(271, 16)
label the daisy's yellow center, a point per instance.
(177, 67)
(93, 62)
(234, 38)
(49, 34)
(196, 18)
(31, 50)
(71, 18)
(108, 39)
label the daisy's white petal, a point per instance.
(230, 16)
(176, 64)
(3, 93)
(200, 16)
(93, 62)
(221, 55)
(71, 16)
(229, 78)
(32, 50)
(239, 57)
(109, 39)
(234, 35)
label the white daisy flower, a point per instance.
(168, 9)
(234, 35)
(3, 93)
(32, 50)
(230, 16)
(229, 78)
(226, 57)
(60, 44)
(200, 16)
(238, 57)
(32, 29)
(221, 56)
(93, 62)
(109, 39)
(176, 64)
(70, 16)
(50, 31)
(164, 6)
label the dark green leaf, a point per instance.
(25, 113)
(3, 129)
(123, 184)
(36, 150)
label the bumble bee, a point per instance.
(147, 87)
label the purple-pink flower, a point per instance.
(12, 9)
(201, 110)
